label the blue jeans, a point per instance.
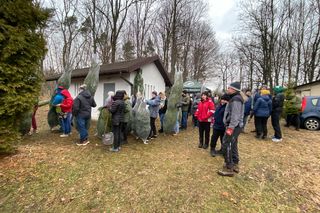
(184, 120)
(66, 123)
(161, 119)
(81, 127)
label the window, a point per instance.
(314, 101)
(76, 88)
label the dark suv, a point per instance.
(310, 115)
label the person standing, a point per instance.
(154, 104)
(262, 110)
(82, 112)
(247, 108)
(185, 108)
(277, 107)
(233, 121)
(218, 126)
(127, 112)
(66, 109)
(117, 110)
(204, 115)
(162, 109)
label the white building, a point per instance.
(120, 76)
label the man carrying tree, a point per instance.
(185, 109)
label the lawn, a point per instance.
(52, 174)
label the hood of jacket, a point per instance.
(86, 94)
(65, 93)
(265, 97)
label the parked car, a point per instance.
(310, 112)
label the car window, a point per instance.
(314, 101)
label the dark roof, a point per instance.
(307, 84)
(120, 67)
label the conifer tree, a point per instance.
(22, 46)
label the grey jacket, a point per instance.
(233, 114)
(82, 105)
(154, 106)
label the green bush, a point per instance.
(22, 46)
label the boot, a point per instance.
(205, 146)
(161, 130)
(213, 152)
(219, 152)
(226, 172)
(200, 145)
(236, 168)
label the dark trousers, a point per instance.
(184, 120)
(124, 132)
(195, 121)
(261, 126)
(214, 138)
(204, 129)
(116, 130)
(275, 120)
(293, 120)
(153, 130)
(230, 148)
(34, 122)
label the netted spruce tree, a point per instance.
(22, 46)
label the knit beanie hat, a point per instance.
(235, 85)
(264, 92)
(225, 97)
(155, 93)
(278, 89)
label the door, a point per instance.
(107, 87)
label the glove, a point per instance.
(229, 131)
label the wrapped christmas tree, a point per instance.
(142, 125)
(170, 118)
(92, 78)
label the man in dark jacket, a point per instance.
(82, 112)
(185, 108)
(218, 127)
(233, 120)
(117, 110)
(277, 107)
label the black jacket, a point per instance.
(277, 102)
(82, 105)
(117, 111)
(163, 110)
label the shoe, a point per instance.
(174, 134)
(114, 150)
(226, 172)
(236, 168)
(277, 140)
(145, 142)
(36, 131)
(86, 142)
(258, 136)
(205, 146)
(154, 136)
(149, 138)
(160, 131)
(297, 129)
(264, 137)
(200, 145)
(64, 136)
(213, 153)
(30, 133)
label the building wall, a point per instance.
(309, 90)
(153, 80)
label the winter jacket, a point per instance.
(205, 110)
(233, 114)
(277, 102)
(185, 103)
(263, 106)
(218, 118)
(82, 105)
(127, 110)
(117, 110)
(58, 98)
(154, 106)
(247, 106)
(66, 105)
(164, 104)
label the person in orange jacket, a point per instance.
(204, 116)
(66, 111)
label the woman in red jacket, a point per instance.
(204, 115)
(66, 109)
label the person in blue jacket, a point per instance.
(262, 110)
(218, 126)
(154, 104)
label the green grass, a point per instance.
(50, 174)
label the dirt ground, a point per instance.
(52, 174)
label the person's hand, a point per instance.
(229, 131)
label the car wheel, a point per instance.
(312, 124)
